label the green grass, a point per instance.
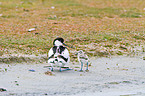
(105, 25)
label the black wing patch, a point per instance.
(65, 59)
(61, 49)
(83, 58)
(54, 49)
(51, 56)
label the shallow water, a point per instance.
(116, 76)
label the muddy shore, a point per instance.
(114, 76)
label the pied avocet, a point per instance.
(58, 54)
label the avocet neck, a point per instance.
(58, 43)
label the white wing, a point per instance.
(50, 52)
(83, 58)
(65, 53)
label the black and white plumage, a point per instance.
(83, 59)
(58, 54)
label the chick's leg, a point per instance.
(81, 67)
(87, 67)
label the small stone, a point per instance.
(90, 65)
(32, 70)
(2, 89)
(52, 7)
(16, 81)
(49, 73)
(31, 29)
(17, 84)
(36, 33)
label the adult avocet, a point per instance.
(58, 54)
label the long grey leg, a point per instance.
(52, 65)
(87, 67)
(81, 67)
(60, 69)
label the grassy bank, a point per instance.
(99, 27)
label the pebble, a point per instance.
(49, 73)
(32, 29)
(52, 7)
(2, 89)
(32, 70)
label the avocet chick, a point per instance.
(83, 59)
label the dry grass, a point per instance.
(100, 27)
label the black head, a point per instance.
(59, 39)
